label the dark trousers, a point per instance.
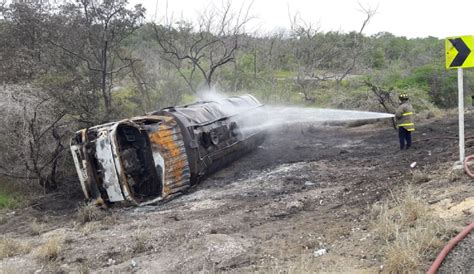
(405, 138)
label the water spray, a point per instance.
(146, 159)
(274, 116)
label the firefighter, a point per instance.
(405, 123)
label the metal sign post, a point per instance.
(459, 54)
(461, 115)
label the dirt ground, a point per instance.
(307, 191)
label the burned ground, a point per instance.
(307, 188)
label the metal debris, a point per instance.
(146, 159)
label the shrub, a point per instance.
(90, 212)
(50, 250)
(37, 227)
(10, 247)
(9, 195)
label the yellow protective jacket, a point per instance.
(404, 116)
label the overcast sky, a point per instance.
(410, 18)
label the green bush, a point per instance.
(9, 199)
(440, 84)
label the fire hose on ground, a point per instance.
(466, 165)
(454, 241)
(436, 264)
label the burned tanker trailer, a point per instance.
(145, 159)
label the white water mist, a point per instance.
(270, 117)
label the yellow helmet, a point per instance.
(403, 96)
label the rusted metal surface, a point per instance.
(167, 140)
(149, 158)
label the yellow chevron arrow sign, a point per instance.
(459, 52)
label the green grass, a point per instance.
(9, 199)
(283, 74)
(6, 201)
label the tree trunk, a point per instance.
(106, 96)
(57, 151)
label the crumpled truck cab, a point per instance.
(145, 159)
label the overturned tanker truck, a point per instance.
(145, 159)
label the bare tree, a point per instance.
(324, 56)
(384, 98)
(204, 48)
(357, 46)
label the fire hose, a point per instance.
(444, 252)
(466, 166)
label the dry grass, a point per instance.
(3, 218)
(111, 219)
(409, 233)
(304, 264)
(410, 249)
(10, 247)
(456, 174)
(37, 227)
(90, 212)
(419, 177)
(49, 251)
(89, 228)
(141, 242)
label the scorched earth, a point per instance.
(303, 201)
